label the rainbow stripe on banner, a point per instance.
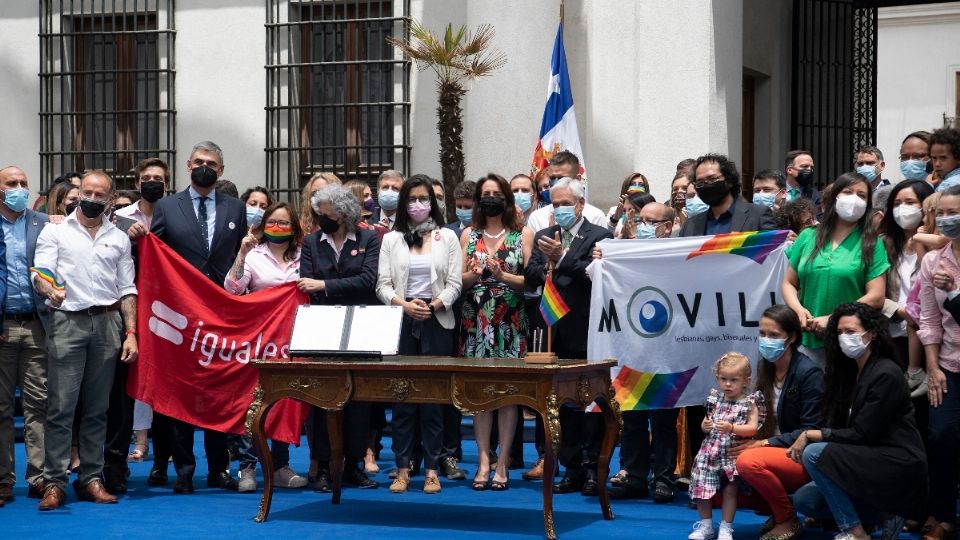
(637, 390)
(753, 245)
(48, 276)
(552, 306)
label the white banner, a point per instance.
(668, 308)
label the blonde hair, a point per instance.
(733, 360)
(308, 220)
(930, 211)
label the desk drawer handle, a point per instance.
(491, 390)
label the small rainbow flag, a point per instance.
(637, 390)
(552, 306)
(753, 245)
(48, 276)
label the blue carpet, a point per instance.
(457, 512)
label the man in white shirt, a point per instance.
(85, 270)
(564, 165)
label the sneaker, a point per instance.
(702, 530)
(917, 383)
(431, 485)
(845, 536)
(451, 469)
(285, 477)
(726, 531)
(248, 481)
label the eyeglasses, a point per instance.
(421, 200)
(922, 156)
(653, 223)
(278, 223)
(200, 163)
(708, 181)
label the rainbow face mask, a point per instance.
(278, 234)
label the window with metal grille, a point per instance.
(337, 93)
(106, 86)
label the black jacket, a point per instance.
(570, 277)
(175, 222)
(352, 280)
(746, 217)
(799, 406)
(878, 456)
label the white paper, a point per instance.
(318, 328)
(376, 328)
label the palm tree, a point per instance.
(456, 58)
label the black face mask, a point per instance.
(151, 191)
(804, 177)
(92, 208)
(203, 176)
(713, 194)
(492, 206)
(71, 207)
(327, 225)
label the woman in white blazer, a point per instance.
(420, 269)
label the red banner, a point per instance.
(196, 341)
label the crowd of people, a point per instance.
(854, 398)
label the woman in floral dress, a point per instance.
(494, 322)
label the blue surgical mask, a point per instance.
(867, 171)
(949, 226)
(914, 169)
(465, 215)
(388, 199)
(254, 215)
(771, 349)
(565, 216)
(765, 199)
(523, 200)
(646, 231)
(695, 206)
(545, 196)
(16, 199)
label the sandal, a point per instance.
(481, 483)
(139, 453)
(619, 479)
(496, 485)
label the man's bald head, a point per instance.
(12, 177)
(657, 212)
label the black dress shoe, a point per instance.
(451, 469)
(572, 481)
(627, 491)
(663, 493)
(354, 477)
(222, 480)
(590, 486)
(184, 484)
(158, 476)
(115, 480)
(323, 483)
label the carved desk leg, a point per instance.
(551, 435)
(612, 424)
(259, 421)
(335, 432)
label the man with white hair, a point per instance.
(567, 247)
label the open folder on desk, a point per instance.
(346, 331)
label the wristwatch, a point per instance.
(433, 310)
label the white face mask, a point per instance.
(850, 208)
(852, 345)
(907, 216)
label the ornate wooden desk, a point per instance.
(472, 385)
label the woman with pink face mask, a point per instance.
(420, 269)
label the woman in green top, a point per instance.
(839, 261)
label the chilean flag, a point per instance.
(559, 128)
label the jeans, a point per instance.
(823, 497)
(944, 444)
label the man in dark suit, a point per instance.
(567, 247)
(388, 193)
(23, 356)
(799, 168)
(205, 228)
(717, 182)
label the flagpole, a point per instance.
(561, 12)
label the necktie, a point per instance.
(567, 239)
(202, 218)
(794, 193)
